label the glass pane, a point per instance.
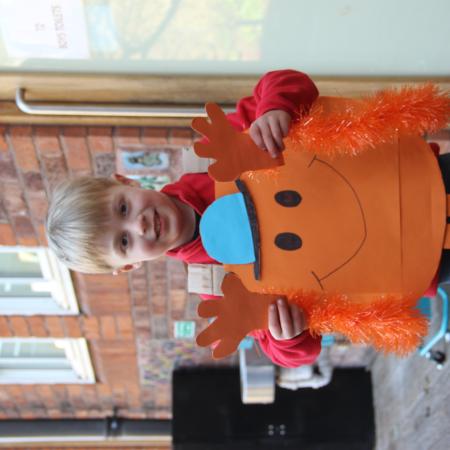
(24, 289)
(20, 264)
(322, 37)
(32, 349)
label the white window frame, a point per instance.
(63, 300)
(79, 368)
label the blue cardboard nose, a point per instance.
(225, 231)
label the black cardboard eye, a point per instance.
(288, 241)
(289, 199)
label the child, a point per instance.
(97, 225)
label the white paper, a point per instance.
(44, 29)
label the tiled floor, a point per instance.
(412, 400)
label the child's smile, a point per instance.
(143, 225)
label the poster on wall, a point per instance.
(44, 29)
(153, 167)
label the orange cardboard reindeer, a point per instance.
(349, 223)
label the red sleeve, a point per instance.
(303, 349)
(293, 92)
(289, 90)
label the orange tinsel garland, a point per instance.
(389, 323)
(372, 121)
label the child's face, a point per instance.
(143, 225)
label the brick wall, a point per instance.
(127, 319)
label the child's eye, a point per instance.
(123, 208)
(124, 241)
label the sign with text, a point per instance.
(44, 29)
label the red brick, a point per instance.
(7, 235)
(32, 397)
(7, 413)
(159, 304)
(141, 316)
(38, 203)
(134, 397)
(158, 284)
(90, 397)
(15, 392)
(100, 140)
(125, 326)
(55, 413)
(127, 135)
(24, 230)
(3, 215)
(139, 273)
(19, 326)
(105, 396)
(104, 390)
(105, 294)
(62, 400)
(119, 362)
(42, 237)
(75, 145)
(13, 198)
(33, 181)
(108, 327)
(47, 140)
(140, 298)
(144, 334)
(81, 414)
(72, 326)
(139, 284)
(45, 392)
(155, 136)
(3, 143)
(24, 148)
(54, 169)
(27, 241)
(163, 397)
(91, 328)
(94, 413)
(54, 326)
(10, 408)
(135, 414)
(178, 299)
(120, 397)
(76, 393)
(181, 136)
(27, 414)
(37, 326)
(8, 170)
(159, 326)
(4, 328)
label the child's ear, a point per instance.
(125, 180)
(127, 268)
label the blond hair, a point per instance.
(78, 211)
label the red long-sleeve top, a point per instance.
(293, 92)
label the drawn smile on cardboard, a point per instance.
(360, 223)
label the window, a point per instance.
(44, 361)
(32, 281)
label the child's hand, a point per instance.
(286, 321)
(269, 130)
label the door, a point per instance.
(185, 52)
